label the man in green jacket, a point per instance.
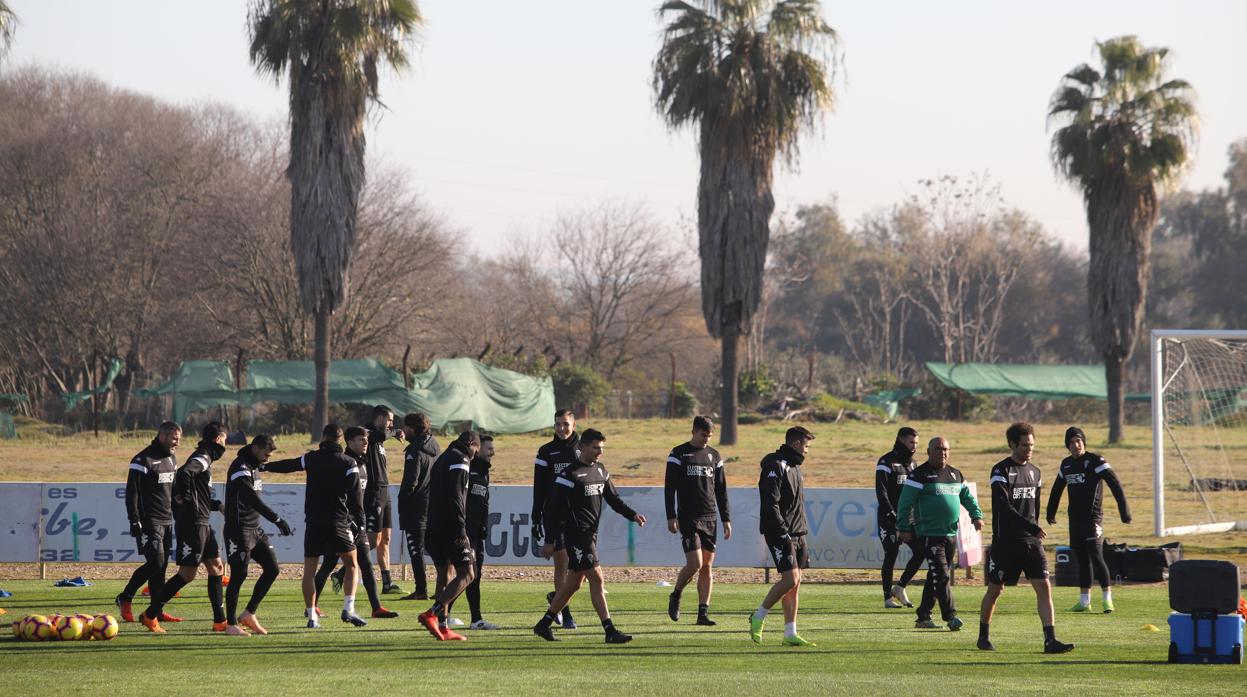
(934, 495)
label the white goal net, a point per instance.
(1199, 430)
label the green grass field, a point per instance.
(862, 649)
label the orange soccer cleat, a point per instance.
(249, 621)
(152, 624)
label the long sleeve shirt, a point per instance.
(890, 474)
(935, 496)
(149, 486)
(695, 486)
(448, 494)
(781, 489)
(1015, 500)
(552, 458)
(575, 501)
(192, 487)
(1085, 477)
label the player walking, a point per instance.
(1016, 536)
(1085, 474)
(783, 524)
(552, 459)
(413, 494)
(890, 475)
(934, 494)
(695, 491)
(575, 507)
(149, 506)
(447, 534)
(379, 519)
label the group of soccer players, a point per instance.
(444, 503)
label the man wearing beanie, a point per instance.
(1084, 473)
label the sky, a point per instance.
(514, 112)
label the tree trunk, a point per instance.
(727, 419)
(320, 408)
(1113, 367)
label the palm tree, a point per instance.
(1128, 133)
(332, 50)
(751, 75)
(8, 22)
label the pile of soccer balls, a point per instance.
(65, 627)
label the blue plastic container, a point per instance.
(1191, 638)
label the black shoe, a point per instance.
(544, 632)
(1055, 646)
(705, 621)
(986, 645)
(391, 588)
(617, 637)
(354, 619)
(416, 595)
(673, 606)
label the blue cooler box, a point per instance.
(1205, 638)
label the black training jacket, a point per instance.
(782, 509)
(149, 486)
(193, 497)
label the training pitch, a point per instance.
(862, 648)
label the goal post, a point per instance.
(1199, 430)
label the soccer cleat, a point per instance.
(416, 595)
(428, 620)
(954, 625)
(235, 630)
(320, 612)
(391, 588)
(1107, 605)
(705, 621)
(249, 621)
(383, 613)
(898, 593)
(337, 578)
(568, 622)
(166, 617)
(891, 603)
(1055, 646)
(482, 624)
(544, 632)
(312, 623)
(796, 640)
(985, 645)
(1079, 607)
(125, 609)
(152, 624)
(925, 624)
(755, 628)
(673, 607)
(455, 622)
(617, 637)
(219, 626)
(452, 635)
(354, 619)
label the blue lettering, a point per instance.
(850, 508)
(816, 521)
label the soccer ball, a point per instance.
(37, 628)
(86, 621)
(104, 627)
(68, 628)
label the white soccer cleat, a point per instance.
(482, 624)
(454, 622)
(891, 603)
(898, 592)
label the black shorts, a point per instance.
(788, 552)
(582, 551)
(196, 544)
(155, 541)
(558, 539)
(240, 543)
(327, 541)
(1085, 532)
(1008, 560)
(699, 534)
(449, 552)
(382, 519)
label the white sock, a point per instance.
(1108, 594)
(790, 630)
(1084, 598)
(760, 613)
(348, 604)
(311, 613)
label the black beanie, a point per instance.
(1074, 432)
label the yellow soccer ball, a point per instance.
(86, 621)
(104, 627)
(68, 628)
(37, 628)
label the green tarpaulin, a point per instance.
(1031, 381)
(890, 400)
(73, 399)
(453, 390)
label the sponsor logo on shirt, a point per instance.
(1024, 492)
(479, 490)
(594, 489)
(1079, 478)
(164, 478)
(699, 471)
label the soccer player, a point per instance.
(552, 458)
(244, 540)
(1085, 473)
(377, 498)
(149, 506)
(1017, 545)
(356, 446)
(478, 525)
(331, 504)
(413, 494)
(783, 524)
(447, 534)
(197, 544)
(575, 507)
(890, 475)
(695, 491)
(934, 494)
